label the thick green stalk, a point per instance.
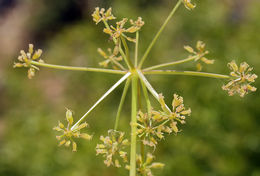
(121, 103)
(188, 73)
(158, 33)
(133, 126)
(170, 63)
(61, 67)
(102, 98)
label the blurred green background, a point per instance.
(221, 138)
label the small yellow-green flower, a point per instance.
(188, 4)
(199, 55)
(68, 134)
(110, 57)
(100, 14)
(26, 58)
(178, 112)
(241, 79)
(145, 167)
(112, 148)
(151, 127)
(120, 29)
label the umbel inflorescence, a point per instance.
(150, 126)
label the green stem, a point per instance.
(61, 67)
(127, 52)
(140, 107)
(118, 64)
(158, 33)
(171, 63)
(124, 56)
(102, 98)
(133, 126)
(136, 48)
(121, 103)
(188, 73)
(151, 89)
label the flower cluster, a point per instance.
(152, 126)
(145, 167)
(241, 79)
(100, 14)
(110, 57)
(26, 58)
(113, 148)
(178, 113)
(120, 29)
(188, 4)
(199, 55)
(69, 133)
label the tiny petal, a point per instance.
(69, 116)
(37, 54)
(83, 125)
(149, 158)
(57, 129)
(86, 136)
(30, 48)
(62, 142)
(74, 146)
(31, 73)
(233, 66)
(157, 165)
(67, 144)
(174, 127)
(61, 124)
(188, 4)
(117, 164)
(189, 49)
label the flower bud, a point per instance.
(69, 116)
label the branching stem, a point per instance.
(159, 33)
(187, 73)
(61, 67)
(102, 98)
(171, 63)
(121, 103)
(150, 88)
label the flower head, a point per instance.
(120, 29)
(112, 148)
(100, 14)
(26, 58)
(67, 138)
(178, 113)
(188, 4)
(151, 127)
(199, 55)
(145, 167)
(241, 79)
